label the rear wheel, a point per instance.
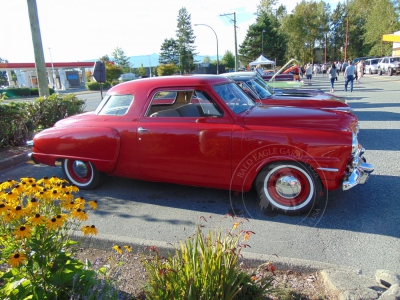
(81, 173)
(289, 187)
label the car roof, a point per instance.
(167, 81)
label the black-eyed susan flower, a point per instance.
(67, 196)
(8, 217)
(61, 219)
(52, 223)
(79, 214)
(3, 208)
(45, 181)
(8, 184)
(16, 259)
(33, 189)
(11, 197)
(55, 180)
(37, 219)
(18, 211)
(128, 248)
(33, 204)
(80, 202)
(93, 204)
(29, 180)
(18, 189)
(69, 205)
(23, 231)
(73, 188)
(89, 230)
(118, 249)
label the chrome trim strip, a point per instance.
(329, 169)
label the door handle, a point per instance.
(142, 130)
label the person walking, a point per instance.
(332, 76)
(360, 71)
(338, 68)
(309, 71)
(344, 66)
(349, 76)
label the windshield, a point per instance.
(259, 88)
(234, 97)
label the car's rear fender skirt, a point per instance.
(95, 144)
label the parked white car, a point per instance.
(371, 66)
(389, 65)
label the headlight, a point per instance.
(354, 144)
(358, 127)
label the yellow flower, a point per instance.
(11, 197)
(89, 230)
(73, 188)
(3, 208)
(128, 248)
(93, 204)
(55, 194)
(61, 219)
(18, 189)
(69, 205)
(29, 180)
(33, 189)
(67, 196)
(56, 180)
(52, 223)
(16, 259)
(79, 214)
(7, 184)
(236, 225)
(45, 181)
(9, 217)
(117, 249)
(37, 219)
(80, 202)
(18, 211)
(22, 232)
(32, 204)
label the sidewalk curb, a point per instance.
(14, 160)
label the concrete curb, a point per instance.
(14, 160)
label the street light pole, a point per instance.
(149, 66)
(234, 27)
(52, 69)
(217, 44)
(262, 42)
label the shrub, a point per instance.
(204, 267)
(36, 218)
(35, 91)
(95, 86)
(16, 92)
(15, 126)
(46, 111)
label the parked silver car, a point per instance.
(389, 65)
(371, 66)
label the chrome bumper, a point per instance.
(358, 171)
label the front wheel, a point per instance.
(390, 71)
(370, 72)
(81, 173)
(289, 187)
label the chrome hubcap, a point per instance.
(288, 187)
(80, 168)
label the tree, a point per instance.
(142, 70)
(121, 60)
(167, 69)
(206, 59)
(185, 41)
(272, 39)
(169, 52)
(113, 72)
(3, 74)
(228, 60)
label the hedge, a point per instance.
(21, 92)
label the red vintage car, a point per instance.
(205, 131)
(259, 92)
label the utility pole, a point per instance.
(234, 27)
(38, 49)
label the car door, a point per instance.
(187, 141)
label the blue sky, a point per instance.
(78, 30)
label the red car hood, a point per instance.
(300, 118)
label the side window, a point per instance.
(115, 105)
(177, 104)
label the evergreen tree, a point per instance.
(169, 52)
(273, 41)
(228, 60)
(185, 41)
(120, 59)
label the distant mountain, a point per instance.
(137, 61)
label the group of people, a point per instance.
(350, 71)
